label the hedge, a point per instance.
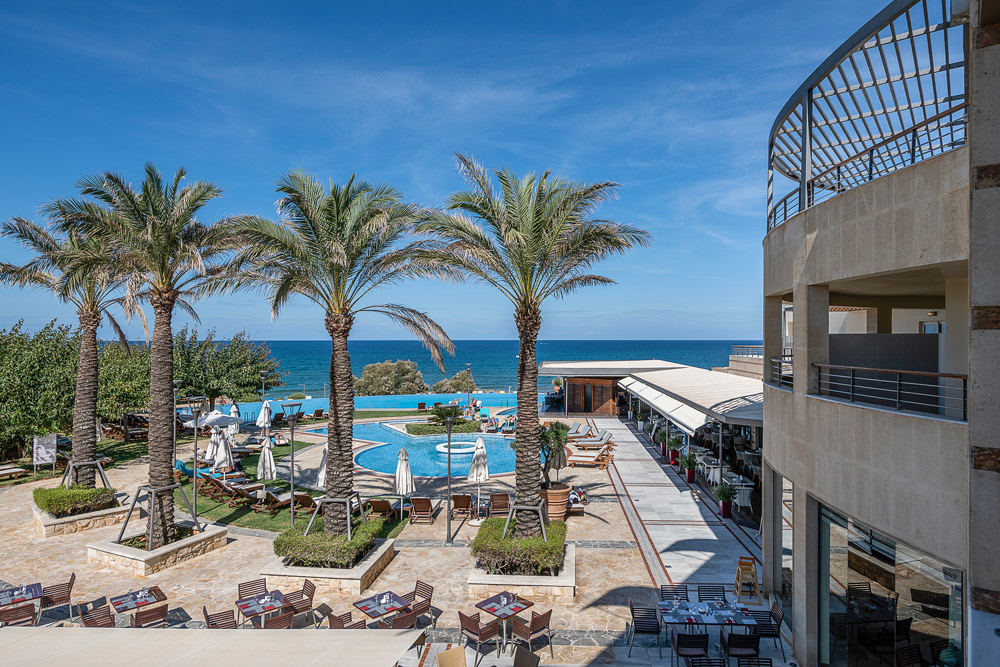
(61, 501)
(317, 549)
(514, 556)
(437, 429)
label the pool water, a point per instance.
(425, 460)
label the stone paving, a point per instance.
(684, 541)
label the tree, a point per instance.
(93, 295)
(390, 378)
(334, 246)
(459, 383)
(123, 382)
(232, 368)
(37, 373)
(534, 239)
(553, 442)
(164, 252)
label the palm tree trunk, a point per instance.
(161, 419)
(85, 401)
(527, 465)
(340, 431)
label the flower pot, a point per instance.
(725, 509)
(689, 473)
(674, 454)
(556, 498)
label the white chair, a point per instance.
(742, 499)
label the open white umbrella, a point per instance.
(223, 455)
(321, 477)
(264, 418)
(479, 472)
(266, 470)
(234, 411)
(213, 418)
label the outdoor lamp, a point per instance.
(291, 416)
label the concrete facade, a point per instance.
(919, 245)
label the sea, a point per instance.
(494, 362)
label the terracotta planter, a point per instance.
(725, 509)
(556, 497)
(689, 473)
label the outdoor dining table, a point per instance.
(19, 594)
(261, 603)
(679, 612)
(379, 605)
(503, 606)
(135, 599)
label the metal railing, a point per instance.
(747, 351)
(781, 371)
(942, 394)
(890, 96)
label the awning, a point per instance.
(602, 369)
(687, 418)
(703, 395)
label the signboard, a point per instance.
(44, 450)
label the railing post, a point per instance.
(965, 399)
(852, 385)
(805, 174)
(899, 391)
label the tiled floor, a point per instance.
(636, 502)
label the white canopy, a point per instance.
(264, 418)
(403, 483)
(266, 470)
(213, 418)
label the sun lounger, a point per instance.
(499, 504)
(461, 505)
(491, 426)
(601, 459)
(594, 443)
(244, 495)
(317, 413)
(271, 503)
(305, 504)
(381, 508)
(421, 407)
(510, 426)
(580, 431)
(423, 509)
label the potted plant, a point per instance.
(725, 492)
(688, 462)
(674, 447)
(556, 494)
(661, 440)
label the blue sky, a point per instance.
(673, 100)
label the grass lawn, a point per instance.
(246, 517)
(119, 451)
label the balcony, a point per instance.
(939, 394)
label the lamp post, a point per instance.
(196, 410)
(263, 374)
(291, 416)
(468, 383)
(177, 386)
(448, 421)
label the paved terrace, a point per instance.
(651, 529)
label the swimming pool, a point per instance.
(425, 460)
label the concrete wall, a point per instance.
(915, 217)
(904, 352)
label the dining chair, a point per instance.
(688, 644)
(645, 621)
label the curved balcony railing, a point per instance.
(890, 96)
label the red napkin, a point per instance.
(363, 608)
(689, 620)
(491, 609)
(730, 620)
(517, 608)
(745, 612)
(141, 602)
(389, 608)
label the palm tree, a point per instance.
(334, 246)
(164, 253)
(535, 238)
(93, 298)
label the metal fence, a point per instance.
(890, 96)
(747, 351)
(781, 371)
(942, 394)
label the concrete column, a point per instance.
(770, 530)
(773, 332)
(811, 327)
(871, 320)
(956, 331)
(983, 580)
(805, 576)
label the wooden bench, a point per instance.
(9, 472)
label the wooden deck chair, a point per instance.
(22, 615)
(98, 618)
(344, 622)
(383, 509)
(282, 621)
(271, 503)
(150, 618)
(57, 595)
(461, 506)
(422, 510)
(499, 504)
(223, 620)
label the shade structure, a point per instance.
(321, 477)
(223, 459)
(234, 411)
(264, 418)
(479, 470)
(403, 483)
(266, 470)
(213, 418)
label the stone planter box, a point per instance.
(48, 525)
(144, 563)
(536, 588)
(332, 581)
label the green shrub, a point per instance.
(688, 461)
(61, 501)
(297, 396)
(513, 556)
(437, 429)
(317, 549)
(725, 492)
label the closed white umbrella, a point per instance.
(264, 418)
(223, 455)
(234, 411)
(321, 477)
(403, 483)
(266, 470)
(213, 445)
(479, 472)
